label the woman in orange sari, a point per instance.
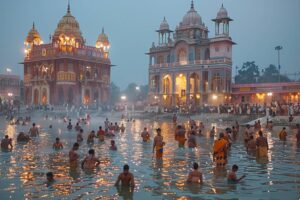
(220, 150)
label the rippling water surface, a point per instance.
(22, 171)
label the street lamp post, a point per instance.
(278, 48)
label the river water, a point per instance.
(22, 171)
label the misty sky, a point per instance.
(258, 26)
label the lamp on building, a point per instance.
(269, 94)
(137, 88)
(123, 98)
(214, 97)
(8, 70)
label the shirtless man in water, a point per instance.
(126, 178)
(90, 161)
(158, 144)
(57, 144)
(91, 137)
(195, 176)
(33, 131)
(6, 143)
(145, 135)
(73, 156)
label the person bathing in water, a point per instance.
(232, 178)
(195, 176)
(126, 178)
(90, 161)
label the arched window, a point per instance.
(182, 57)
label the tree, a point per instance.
(271, 75)
(136, 93)
(114, 93)
(249, 73)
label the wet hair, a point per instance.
(283, 128)
(57, 139)
(33, 124)
(126, 167)
(158, 130)
(221, 135)
(100, 127)
(195, 165)
(6, 136)
(92, 151)
(92, 131)
(235, 167)
(76, 144)
(260, 133)
(49, 174)
(112, 141)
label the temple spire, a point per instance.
(102, 30)
(192, 4)
(69, 10)
(33, 26)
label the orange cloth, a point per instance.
(220, 151)
(159, 151)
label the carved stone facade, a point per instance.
(186, 68)
(66, 71)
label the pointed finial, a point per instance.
(68, 7)
(164, 18)
(33, 26)
(222, 5)
(102, 30)
(192, 4)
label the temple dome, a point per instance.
(222, 13)
(102, 41)
(33, 36)
(68, 26)
(164, 25)
(191, 17)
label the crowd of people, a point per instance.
(185, 135)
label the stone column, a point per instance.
(209, 81)
(187, 92)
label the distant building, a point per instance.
(9, 86)
(66, 70)
(186, 67)
(261, 93)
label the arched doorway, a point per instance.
(166, 85)
(87, 96)
(194, 89)
(181, 88)
(36, 97)
(182, 57)
(44, 96)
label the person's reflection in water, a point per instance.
(74, 173)
(125, 191)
